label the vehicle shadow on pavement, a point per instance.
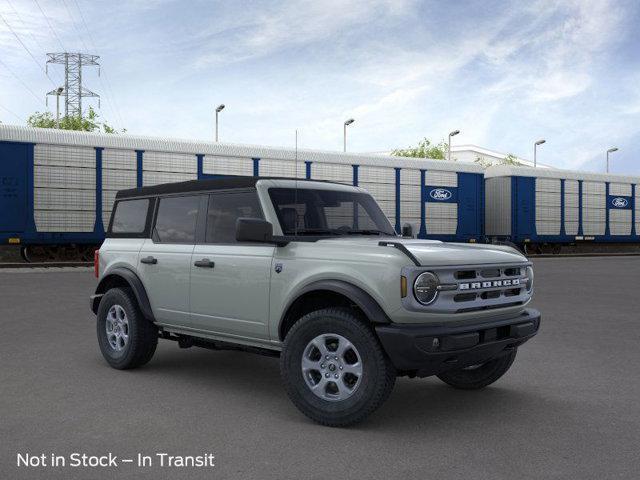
(414, 403)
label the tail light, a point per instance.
(96, 263)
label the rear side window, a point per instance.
(224, 210)
(176, 220)
(130, 216)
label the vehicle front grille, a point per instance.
(482, 287)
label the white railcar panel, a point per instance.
(571, 220)
(216, 165)
(547, 185)
(64, 220)
(571, 228)
(571, 206)
(623, 189)
(156, 178)
(594, 188)
(409, 210)
(64, 199)
(270, 167)
(333, 172)
(620, 221)
(548, 209)
(409, 176)
(119, 179)
(498, 206)
(169, 162)
(441, 218)
(571, 186)
(380, 191)
(64, 156)
(64, 177)
(441, 179)
(118, 159)
(368, 174)
(594, 204)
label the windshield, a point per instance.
(328, 212)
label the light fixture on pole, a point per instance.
(535, 151)
(57, 92)
(218, 110)
(344, 137)
(451, 134)
(611, 150)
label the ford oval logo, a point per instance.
(619, 202)
(440, 194)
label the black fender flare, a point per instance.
(369, 306)
(134, 283)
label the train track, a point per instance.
(44, 264)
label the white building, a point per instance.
(471, 153)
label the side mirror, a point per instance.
(407, 230)
(254, 230)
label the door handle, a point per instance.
(204, 263)
(149, 260)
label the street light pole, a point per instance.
(535, 151)
(451, 134)
(218, 110)
(344, 137)
(59, 91)
(611, 150)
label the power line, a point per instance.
(12, 113)
(50, 26)
(24, 25)
(75, 27)
(111, 98)
(21, 81)
(27, 49)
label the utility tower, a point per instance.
(73, 89)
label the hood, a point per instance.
(436, 253)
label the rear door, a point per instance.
(13, 186)
(164, 263)
(230, 280)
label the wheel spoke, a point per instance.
(308, 364)
(343, 347)
(354, 369)
(319, 343)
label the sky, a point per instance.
(504, 73)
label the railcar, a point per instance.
(554, 211)
(58, 187)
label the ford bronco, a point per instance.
(312, 272)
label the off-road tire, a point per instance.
(142, 334)
(479, 377)
(378, 377)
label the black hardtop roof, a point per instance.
(210, 184)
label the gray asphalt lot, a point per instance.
(568, 408)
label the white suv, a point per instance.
(314, 273)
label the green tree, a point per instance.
(89, 123)
(510, 159)
(425, 149)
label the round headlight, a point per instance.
(425, 288)
(529, 284)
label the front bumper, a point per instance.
(426, 350)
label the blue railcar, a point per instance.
(58, 187)
(543, 210)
